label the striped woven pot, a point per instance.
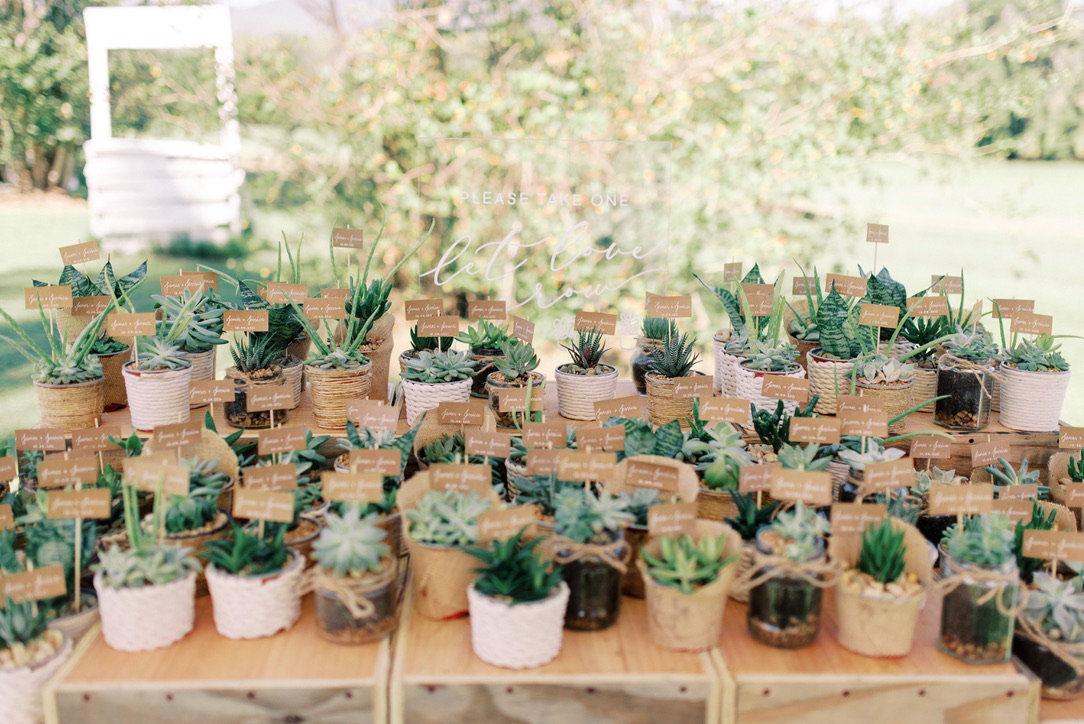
(157, 397)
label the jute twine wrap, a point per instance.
(741, 568)
(112, 365)
(662, 406)
(351, 591)
(249, 607)
(1031, 401)
(825, 375)
(714, 504)
(147, 617)
(517, 637)
(512, 470)
(718, 346)
(577, 394)
(996, 593)
(331, 389)
(203, 366)
(614, 554)
(20, 688)
(749, 383)
(70, 325)
(71, 407)
(424, 396)
(157, 397)
(896, 399)
(925, 387)
(1071, 654)
(293, 374)
(765, 567)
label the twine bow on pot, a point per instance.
(950, 361)
(350, 591)
(1003, 580)
(765, 567)
(568, 551)
(1071, 654)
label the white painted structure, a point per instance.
(146, 189)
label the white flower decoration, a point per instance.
(564, 328)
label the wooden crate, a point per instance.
(827, 683)
(208, 678)
(615, 675)
(1061, 712)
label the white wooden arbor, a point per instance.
(146, 189)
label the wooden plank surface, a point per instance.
(615, 675)
(1061, 712)
(208, 677)
(827, 683)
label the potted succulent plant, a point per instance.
(802, 328)
(785, 604)
(977, 613)
(888, 379)
(106, 284)
(639, 501)
(1034, 377)
(112, 354)
(435, 377)
(68, 378)
(439, 527)
(749, 519)
(517, 604)
(486, 341)
(1005, 475)
(30, 654)
(717, 453)
(201, 332)
(761, 361)
(255, 365)
(675, 357)
(1049, 637)
(422, 344)
(254, 582)
(586, 379)
(590, 550)
(686, 579)
(830, 365)
(879, 595)
(514, 368)
(146, 593)
(652, 333)
(355, 580)
(965, 377)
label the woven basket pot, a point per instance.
(748, 384)
(114, 394)
(662, 406)
(157, 397)
(20, 688)
(995, 397)
(71, 407)
(690, 622)
(748, 554)
(203, 366)
(440, 576)
(824, 376)
(293, 375)
(577, 394)
(896, 399)
(251, 607)
(424, 396)
(517, 637)
(803, 347)
(925, 387)
(1031, 401)
(729, 372)
(718, 348)
(840, 472)
(331, 389)
(147, 617)
(715, 504)
(299, 347)
(496, 381)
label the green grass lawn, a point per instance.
(1016, 229)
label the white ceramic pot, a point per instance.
(147, 617)
(251, 607)
(520, 636)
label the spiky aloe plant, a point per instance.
(1076, 468)
(656, 328)
(257, 357)
(421, 344)
(883, 554)
(674, 356)
(157, 353)
(586, 352)
(512, 571)
(59, 363)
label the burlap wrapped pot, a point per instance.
(203, 367)
(896, 399)
(517, 637)
(157, 397)
(146, 617)
(925, 387)
(71, 407)
(577, 394)
(293, 375)
(20, 688)
(420, 397)
(1031, 401)
(662, 406)
(378, 348)
(828, 378)
(114, 394)
(249, 607)
(748, 384)
(331, 389)
(690, 622)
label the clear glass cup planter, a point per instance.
(785, 611)
(975, 626)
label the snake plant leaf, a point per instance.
(133, 278)
(832, 321)
(668, 439)
(639, 439)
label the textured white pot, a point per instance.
(421, 397)
(147, 617)
(517, 637)
(251, 607)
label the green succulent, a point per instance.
(248, 554)
(584, 517)
(1005, 474)
(543, 491)
(202, 319)
(338, 359)
(421, 344)
(446, 518)
(106, 346)
(924, 479)
(586, 352)
(718, 454)
(984, 540)
(1039, 520)
(804, 324)
(883, 555)
(452, 448)
(875, 453)
(639, 502)
(971, 344)
(801, 531)
(656, 328)
(350, 544)
(59, 363)
(368, 440)
(729, 297)
(255, 355)
(434, 367)
(21, 623)
(643, 439)
(156, 353)
(1040, 355)
(773, 428)
(1057, 607)
(674, 357)
(923, 332)
(880, 370)
(796, 457)
(513, 572)
(1076, 468)
(686, 564)
(516, 361)
(148, 566)
(839, 333)
(777, 358)
(750, 518)
(107, 283)
(905, 507)
(379, 508)
(484, 334)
